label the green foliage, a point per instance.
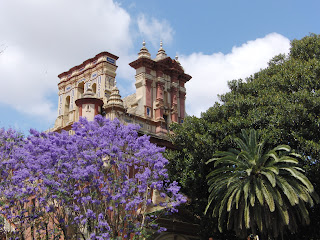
(282, 102)
(306, 48)
(264, 191)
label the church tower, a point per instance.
(90, 89)
(160, 88)
(93, 79)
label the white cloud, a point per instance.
(46, 38)
(210, 73)
(25, 83)
(154, 30)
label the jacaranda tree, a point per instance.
(97, 183)
(256, 190)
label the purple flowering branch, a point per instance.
(99, 183)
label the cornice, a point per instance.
(89, 100)
(167, 65)
(142, 62)
(90, 60)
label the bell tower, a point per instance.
(160, 88)
(90, 89)
(80, 85)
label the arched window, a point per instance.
(67, 105)
(165, 117)
(94, 88)
(80, 90)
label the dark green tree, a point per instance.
(259, 191)
(282, 102)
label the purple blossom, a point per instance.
(104, 167)
(49, 208)
(162, 229)
(93, 236)
(91, 214)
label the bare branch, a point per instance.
(2, 48)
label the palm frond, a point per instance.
(270, 176)
(258, 191)
(282, 148)
(247, 215)
(251, 187)
(288, 159)
(274, 169)
(287, 190)
(267, 196)
(298, 175)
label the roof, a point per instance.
(95, 58)
(130, 100)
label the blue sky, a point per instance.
(216, 41)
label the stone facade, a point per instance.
(90, 89)
(96, 74)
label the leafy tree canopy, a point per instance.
(282, 102)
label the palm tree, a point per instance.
(257, 191)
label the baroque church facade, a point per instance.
(90, 89)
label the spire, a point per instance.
(115, 97)
(144, 51)
(161, 53)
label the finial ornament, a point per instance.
(144, 53)
(177, 61)
(161, 53)
(115, 97)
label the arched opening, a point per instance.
(67, 105)
(165, 117)
(94, 88)
(80, 89)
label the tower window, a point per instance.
(80, 89)
(165, 117)
(148, 112)
(94, 88)
(67, 105)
